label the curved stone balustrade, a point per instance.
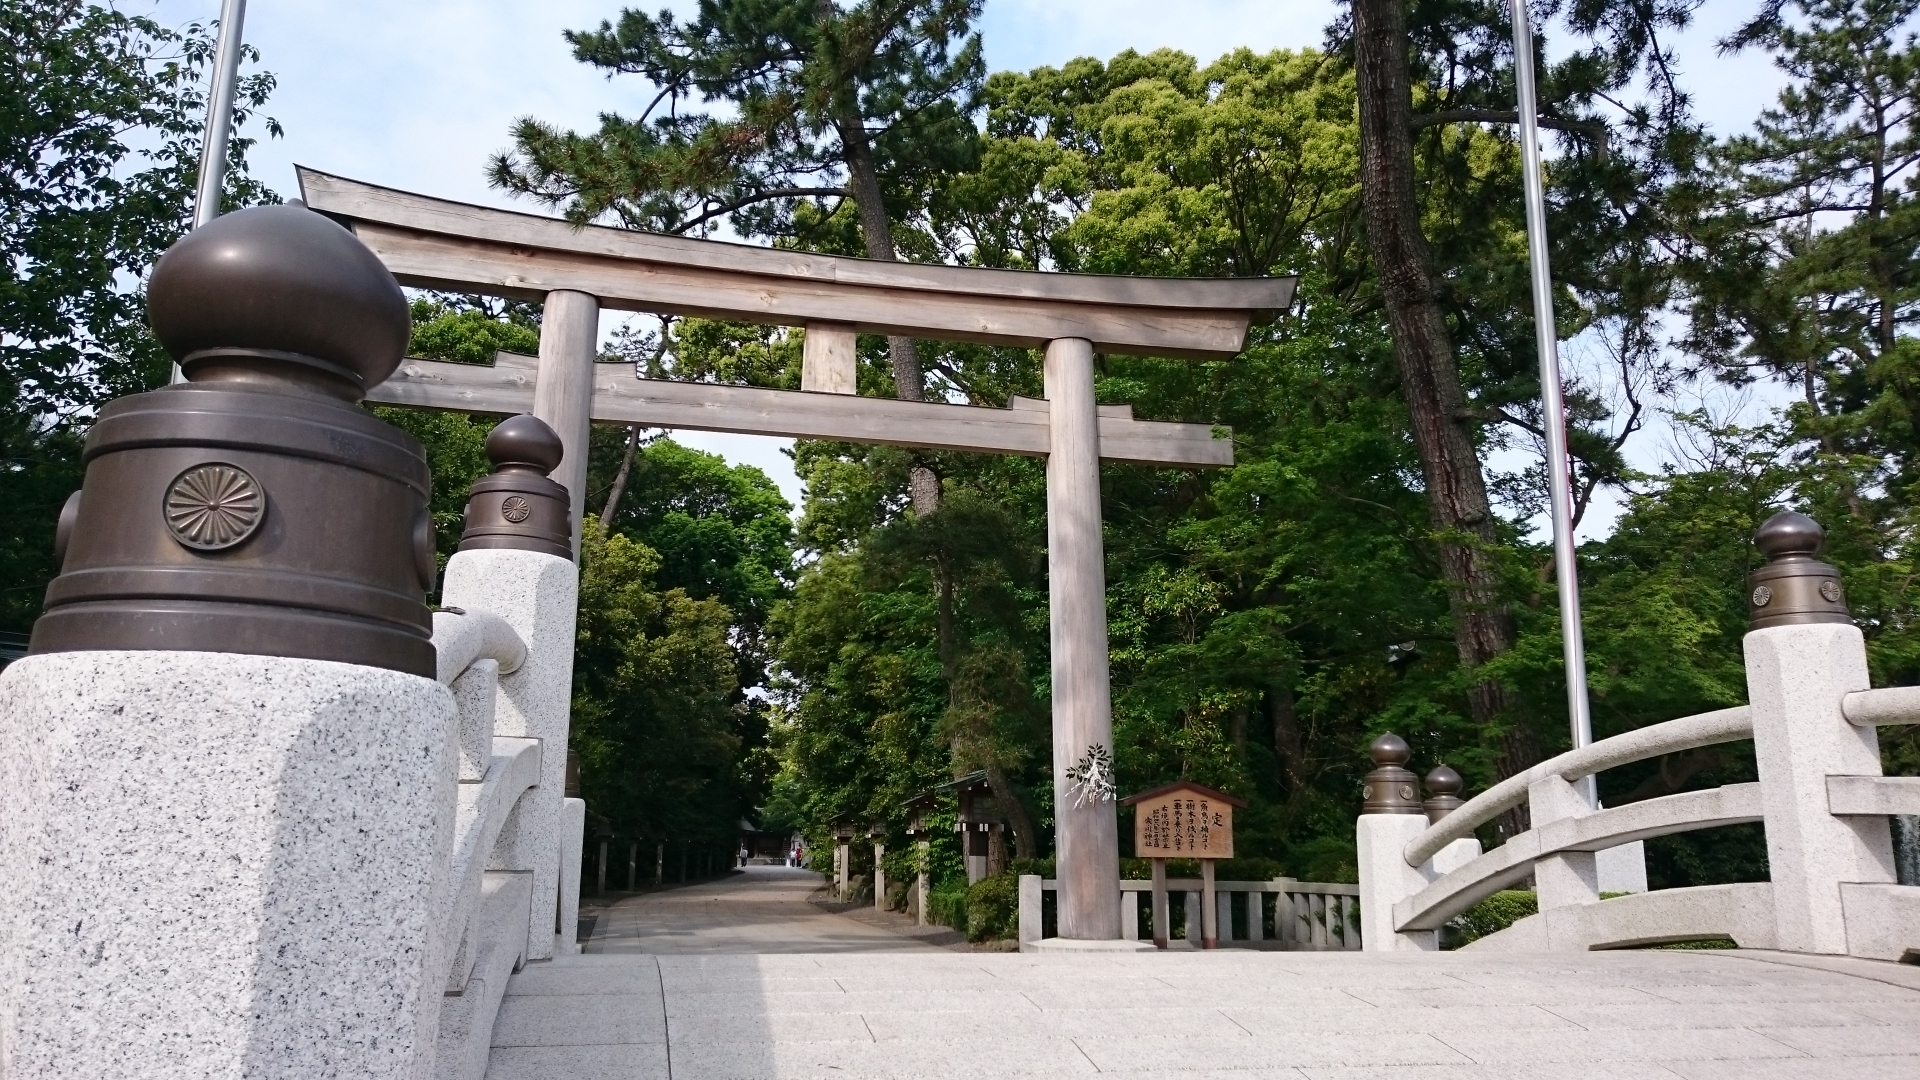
(1733, 804)
(1743, 912)
(1867, 795)
(462, 636)
(1883, 707)
(482, 815)
(1686, 733)
(483, 925)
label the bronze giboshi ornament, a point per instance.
(1793, 588)
(256, 508)
(517, 506)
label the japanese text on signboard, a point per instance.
(1183, 826)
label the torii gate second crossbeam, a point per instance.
(576, 271)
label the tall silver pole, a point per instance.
(1554, 409)
(213, 147)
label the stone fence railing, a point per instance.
(1280, 914)
(505, 645)
(1834, 886)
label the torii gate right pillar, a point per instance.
(1087, 830)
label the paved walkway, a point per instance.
(763, 909)
(1231, 1015)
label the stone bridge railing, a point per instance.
(1833, 886)
(485, 926)
(1284, 913)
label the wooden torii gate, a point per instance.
(575, 271)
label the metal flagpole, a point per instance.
(213, 148)
(1554, 409)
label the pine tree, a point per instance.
(816, 101)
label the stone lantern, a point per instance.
(920, 810)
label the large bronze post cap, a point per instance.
(1793, 588)
(1391, 788)
(256, 509)
(280, 283)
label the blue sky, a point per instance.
(417, 95)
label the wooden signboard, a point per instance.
(1183, 820)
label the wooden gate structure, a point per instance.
(577, 270)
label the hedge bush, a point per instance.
(1492, 915)
(947, 904)
(993, 908)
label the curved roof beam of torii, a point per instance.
(434, 243)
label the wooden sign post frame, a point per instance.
(1184, 820)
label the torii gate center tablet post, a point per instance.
(575, 271)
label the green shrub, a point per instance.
(1492, 915)
(993, 908)
(947, 904)
(1041, 867)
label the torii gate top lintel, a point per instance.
(435, 243)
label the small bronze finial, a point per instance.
(1793, 587)
(1444, 785)
(517, 506)
(1392, 788)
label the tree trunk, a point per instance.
(620, 479)
(1287, 742)
(863, 179)
(1457, 504)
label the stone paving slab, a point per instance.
(1209, 1016)
(744, 980)
(763, 909)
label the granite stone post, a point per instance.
(537, 594)
(1391, 818)
(1622, 869)
(1796, 676)
(221, 865)
(1571, 878)
(1386, 879)
(566, 922)
(920, 884)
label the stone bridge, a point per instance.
(264, 813)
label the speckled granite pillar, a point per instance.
(1386, 879)
(1796, 678)
(537, 594)
(220, 866)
